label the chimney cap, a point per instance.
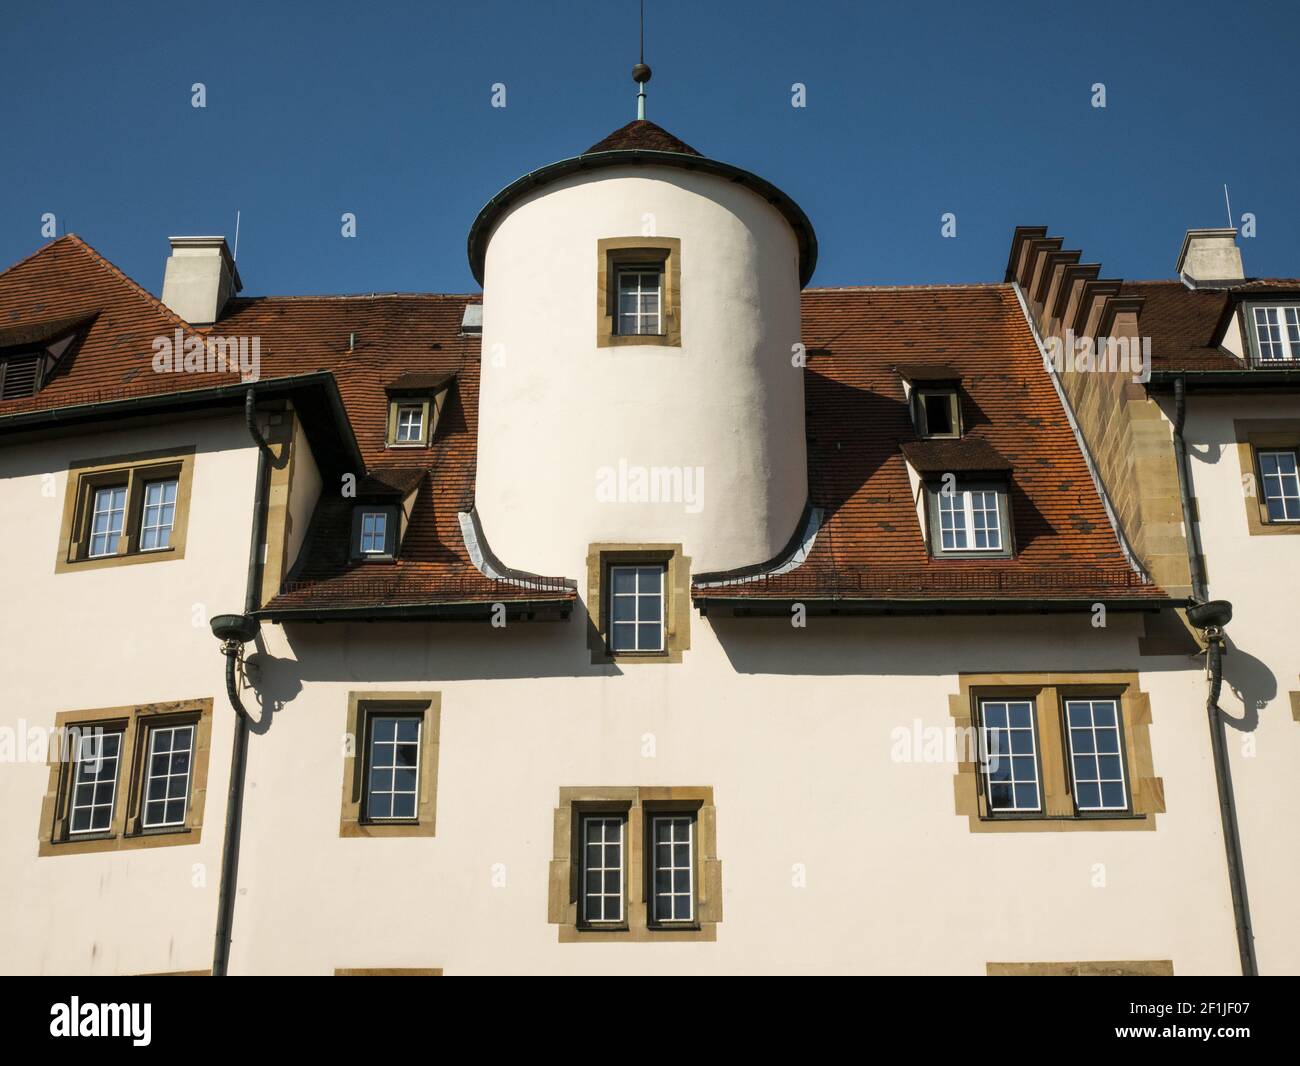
(215, 244)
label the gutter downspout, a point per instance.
(239, 751)
(1228, 808)
(1214, 674)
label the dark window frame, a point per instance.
(934, 539)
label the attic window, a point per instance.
(414, 403)
(374, 532)
(969, 519)
(1276, 332)
(20, 374)
(938, 412)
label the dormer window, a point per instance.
(970, 519)
(938, 413)
(415, 401)
(30, 353)
(1276, 330)
(20, 373)
(374, 532)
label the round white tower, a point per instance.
(640, 318)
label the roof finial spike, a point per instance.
(640, 72)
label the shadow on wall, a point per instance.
(1252, 682)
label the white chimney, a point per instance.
(200, 278)
(1210, 255)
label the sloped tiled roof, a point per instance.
(870, 545)
(641, 134)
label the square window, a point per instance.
(672, 868)
(640, 297)
(392, 772)
(1096, 758)
(1009, 756)
(970, 520)
(410, 423)
(636, 608)
(1277, 334)
(1280, 485)
(602, 870)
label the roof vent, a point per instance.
(471, 323)
(1210, 256)
(200, 278)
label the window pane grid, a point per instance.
(393, 777)
(159, 515)
(410, 424)
(969, 520)
(1277, 333)
(639, 293)
(107, 514)
(1010, 755)
(637, 608)
(602, 868)
(95, 782)
(674, 868)
(167, 781)
(1097, 767)
(1281, 485)
(374, 532)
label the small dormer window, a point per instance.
(410, 423)
(1276, 331)
(938, 413)
(969, 519)
(374, 532)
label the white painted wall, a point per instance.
(1261, 577)
(554, 408)
(113, 637)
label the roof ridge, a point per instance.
(131, 283)
(364, 296)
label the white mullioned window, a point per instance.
(640, 296)
(1009, 755)
(636, 608)
(167, 779)
(969, 520)
(107, 514)
(1281, 484)
(374, 532)
(1277, 334)
(410, 423)
(673, 863)
(393, 768)
(95, 782)
(602, 867)
(1096, 763)
(159, 515)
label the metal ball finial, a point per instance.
(641, 73)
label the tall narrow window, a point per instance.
(167, 777)
(1096, 763)
(159, 515)
(969, 520)
(1277, 334)
(94, 789)
(602, 868)
(1281, 485)
(1009, 755)
(636, 608)
(639, 297)
(106, 520)
(393, 768)
(374, 533)
(673, 866)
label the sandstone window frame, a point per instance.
(1252, 436)
(134, 472)
(676, 610)
(362, 706)
(1125, 968)
(639, 805)
(1060, 813)
(126, 829)
(614, 254)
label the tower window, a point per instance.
(640, 296)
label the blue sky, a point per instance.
(383, 110)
